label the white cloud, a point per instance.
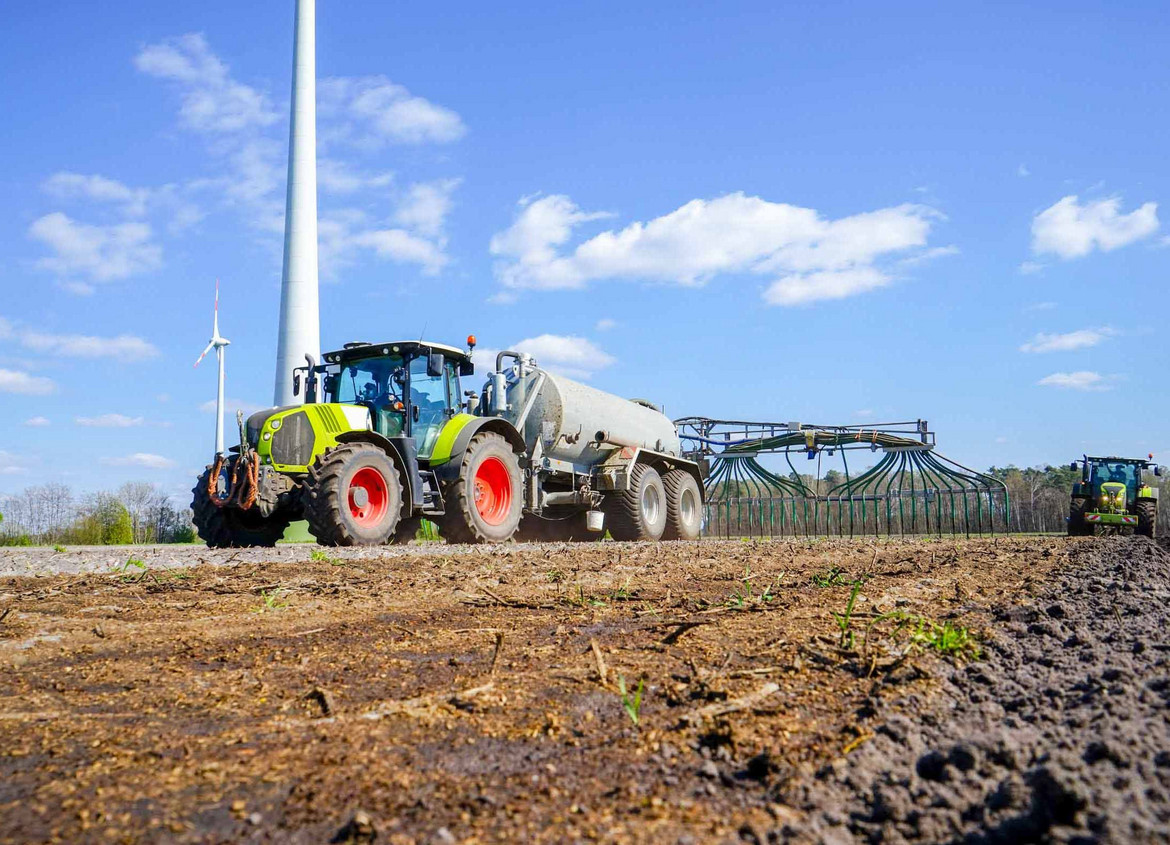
(426, 206)
(1030, 268)
(65, 185)
(337, 177)
(827, 284)
(10, 464)
(13, 381)
(124, 347)
(812, 257)
(1071, 230)
(140, 459)
(37, 422)
(605, 324)
(1023, 171)
(1080, 339)
(1040, 306)
(343, 235)
(372, 110)
(1080, 380)
(109, 421)
(102, 253)
(213, 102)
(575, 357)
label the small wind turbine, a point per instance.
(218, 344)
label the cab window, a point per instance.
(430, 395)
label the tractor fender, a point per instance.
(447, 456)
(401, 452)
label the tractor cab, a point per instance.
(410, 388)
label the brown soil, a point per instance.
(470, 696)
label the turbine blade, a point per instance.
(215, 318)
(210, 346)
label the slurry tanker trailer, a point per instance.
(386, 436)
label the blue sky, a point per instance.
(826, 212)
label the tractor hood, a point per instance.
(288, 437)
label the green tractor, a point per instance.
(386, 437)
(1113, 492)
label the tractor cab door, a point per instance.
(434, 399)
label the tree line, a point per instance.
(50, 514)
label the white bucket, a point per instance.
(595, 520)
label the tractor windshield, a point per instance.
(1116, 471)
(377, 384)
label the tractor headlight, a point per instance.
(275, 424)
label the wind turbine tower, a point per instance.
(299, 332)
(217, 343)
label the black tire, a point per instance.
(1147, 513)
(1077, 527)
(347, 509)
(684, 506)
(638, 513)
(226, 528)
(487, 456)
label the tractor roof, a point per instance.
(353, 351)
(1115, 459)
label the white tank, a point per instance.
(569, 418)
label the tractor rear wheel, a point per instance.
(1147, 513)
(228, 527)
(353, 496)
(638, 513)
(683, 506)
(485, 501)
(1077, 527)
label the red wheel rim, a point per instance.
(369, 497)
(493, 491)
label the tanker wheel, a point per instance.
(225, 528)
(1147, 513)
(1077, 527)
(485, 501)
(353, 496)
(638, 513)
(683, 506)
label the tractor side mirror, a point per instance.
(435, 364)
(1073, 466)
(296, 384)
(1158, 470)
(466, 368)
(414, 410)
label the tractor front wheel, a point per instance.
(230, 527)
(353, 496)
(1077, 527)
(1147, 513)
(485, 502)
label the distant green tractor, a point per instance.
(1112, 492)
